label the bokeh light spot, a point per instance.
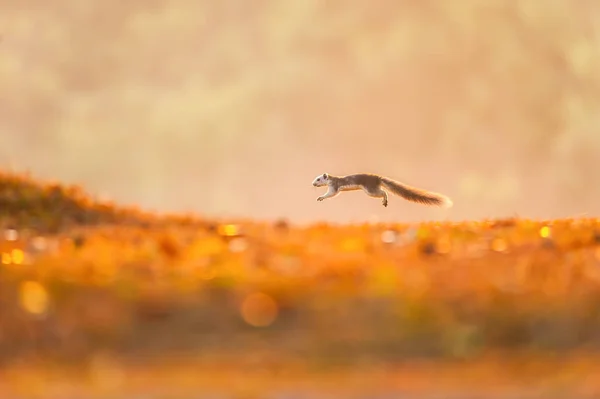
(499, 245)
(545, 232)
(6, 258)
(33, 297)
(11, 235)
(259, 310)
(39, 244)
(228, 230)
(17, 256)
(389, 236)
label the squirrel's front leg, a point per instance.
(332, 192)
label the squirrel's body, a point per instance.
(373, 185)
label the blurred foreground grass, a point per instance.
(90, 284)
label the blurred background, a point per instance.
(231, 108)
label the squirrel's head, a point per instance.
(321, 180)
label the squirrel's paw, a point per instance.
(320, 199)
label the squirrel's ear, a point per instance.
(325, 175)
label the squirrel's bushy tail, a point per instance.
(416, 194)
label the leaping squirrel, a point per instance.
(373, 185)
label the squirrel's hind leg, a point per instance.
(378, 193)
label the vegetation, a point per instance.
(47, 207)
(106, 281)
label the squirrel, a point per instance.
(373, 185)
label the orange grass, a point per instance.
(79, 280)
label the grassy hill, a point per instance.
(51, 207)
